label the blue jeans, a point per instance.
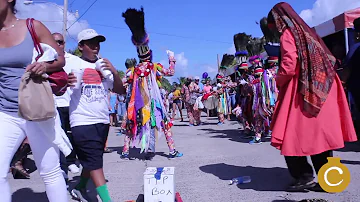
(121, 109)
(233, 100)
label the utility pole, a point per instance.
(65, 19)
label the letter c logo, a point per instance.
(326, 176)
(334, 176)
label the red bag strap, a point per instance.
(35, 38)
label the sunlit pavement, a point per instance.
(212, 156)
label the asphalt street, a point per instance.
(212, 156)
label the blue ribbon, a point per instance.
(241, 53)
(158, 173)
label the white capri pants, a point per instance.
(13, 131)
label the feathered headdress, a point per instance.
(269, 35)
(136, 22)
(226, 61)
(255, 61)
(220, 77)
(254, 46)
(240, 42)
(130, 63)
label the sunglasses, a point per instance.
(60, 42)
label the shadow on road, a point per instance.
(285, 201)
(135, 153)
(262, 179)
(235, 135)
(350, 147)
(350, 162)
(186, 124)
(28, 195)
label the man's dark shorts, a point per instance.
(89, 144)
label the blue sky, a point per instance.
(198, 30)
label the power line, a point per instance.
(72, 3)
(157, 33)
(82, 14)
(165, 34)
(83, 6)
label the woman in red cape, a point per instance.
(312, 116)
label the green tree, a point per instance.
(121, 74)
(182, 80)
(166, 84)
(75, 51)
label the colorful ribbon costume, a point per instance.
(147, 118)
(241, 40)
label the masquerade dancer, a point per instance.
(246, 94)
(147, 116)
(258, 120)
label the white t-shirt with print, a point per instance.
(89, 103)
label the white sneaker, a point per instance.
(74, 169)
(79, 195)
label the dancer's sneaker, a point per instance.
(126, 157)
(175, 154)
(255, 141)
(79, 195)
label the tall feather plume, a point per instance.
(255, 46)
(240, 41)
(270, 36)
(136, 22)
(130, 62)
(227, 60)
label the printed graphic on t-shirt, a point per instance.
(92, 88)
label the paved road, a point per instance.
(212, 156)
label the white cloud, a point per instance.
(181, 60)
(324, 10)
(51, 15)
(231, 50)
(181, 67)
(211, 69)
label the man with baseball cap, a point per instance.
(89, 115)
(352, 63)
(88, 34)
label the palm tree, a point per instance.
(121, 74)
(76, 52)
(182, 80)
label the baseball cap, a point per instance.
(87, 34)
(197, 78)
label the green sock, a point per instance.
(103, 193)
(82, 184)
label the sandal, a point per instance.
(301, 186)
(107, 150)
(19, 172)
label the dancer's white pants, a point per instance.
(13, 131)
